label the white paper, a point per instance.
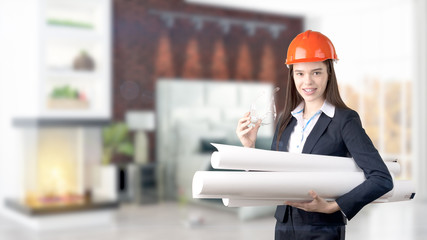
(283, 176)
(241, 158)
(274, 185)
(402, 192)
(243, 202)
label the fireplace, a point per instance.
(61, 169)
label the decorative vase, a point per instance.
(106, 182)
(84, 62)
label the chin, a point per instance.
(312, 99)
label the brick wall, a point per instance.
(146, 49)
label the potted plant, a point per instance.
(116, 140)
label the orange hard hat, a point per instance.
(310, 46)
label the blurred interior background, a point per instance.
(107, 108)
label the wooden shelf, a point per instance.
(67, 104)
(72, 34)
(72, 74)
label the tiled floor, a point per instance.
(403, 221)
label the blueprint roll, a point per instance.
(274, 185)
(403, 191)
(242, 158)
(237, 202)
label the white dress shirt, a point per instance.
(304, 126)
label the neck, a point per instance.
(311, 108)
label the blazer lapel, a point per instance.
(284, 141)
(315, 134)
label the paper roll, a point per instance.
(283, 176)
(233, 202)
(403, 191)
(238, 202)
(241, 158)
(274, 185)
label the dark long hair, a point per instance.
(293, 98)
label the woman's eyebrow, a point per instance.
(316, 69)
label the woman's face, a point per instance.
(311, 79)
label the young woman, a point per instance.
(315, 120)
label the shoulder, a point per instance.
(345, 114)
(347, 119)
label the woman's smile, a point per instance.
(309, 91)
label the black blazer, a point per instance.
(343, 136)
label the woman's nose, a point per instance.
(308, 79)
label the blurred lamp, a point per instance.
(141, 122)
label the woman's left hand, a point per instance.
(318, 204)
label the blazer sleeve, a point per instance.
(378, 179)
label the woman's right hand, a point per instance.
(247, 134)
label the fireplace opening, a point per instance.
(61, 167)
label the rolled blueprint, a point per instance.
(274, 185)
(241, 158)
(403, 191)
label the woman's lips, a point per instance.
(309, 91)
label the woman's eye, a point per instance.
(317, 73)
(299, 74)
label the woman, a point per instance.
(315, 120)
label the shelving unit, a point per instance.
(76, 49)
(40, 40)
(48, 39)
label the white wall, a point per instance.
(373, 41)
(380, 42)
(420, 98)
(389, 42)
(17, 40)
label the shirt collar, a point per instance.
(298, 109)
(326, 108)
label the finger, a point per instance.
(313, 194)
(299, 205)
(241, 123)
(243, 126)
(258, 124)
(247, 114)
(244, 132)
(295, 204)
(244, 119)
